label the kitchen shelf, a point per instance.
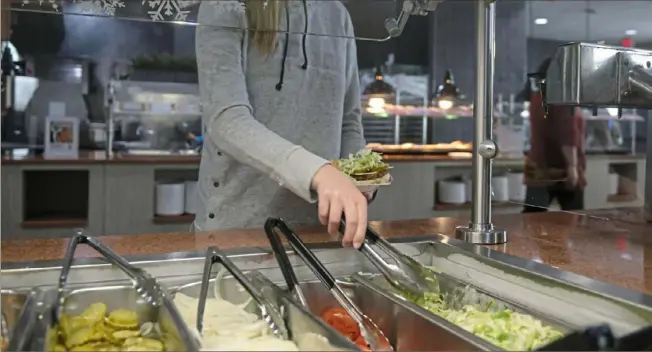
(55, 198)
(173, 219)
(54, 223)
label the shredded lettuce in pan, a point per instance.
(504, 328)
(361, 162)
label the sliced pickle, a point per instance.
(95, 312)
(143, 342)
(123, 319)
(125, 334)
(84, 336)
(95, 346)
(139, 348)
(59, 348)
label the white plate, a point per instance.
(369, 186)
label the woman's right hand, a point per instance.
(338, 195)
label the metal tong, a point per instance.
(146, 286)
(369, 330)
(270, 312)
(406, 274)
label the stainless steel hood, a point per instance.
(583, 74)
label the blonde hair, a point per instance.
(264, 17)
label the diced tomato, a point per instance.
(362, 344)
(340, 320)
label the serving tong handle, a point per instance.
(407, 274)
(148, 287)
(369, 330)
(284, 261)
(270, 312)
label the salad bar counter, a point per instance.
(432, 293)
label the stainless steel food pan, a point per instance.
(406, 328)
(299, 320)
(12, 303)
(116, 297)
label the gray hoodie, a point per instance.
(271, 122)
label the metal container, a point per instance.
(12, 303)
(544, 292)
(407, 328)
(299, 321)
(549, 294)
(585, 74)
(115, 297)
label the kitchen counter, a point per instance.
(99, 157)
(616, 251)
(99, 191)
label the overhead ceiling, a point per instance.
(567, 19)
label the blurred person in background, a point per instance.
(555, 164)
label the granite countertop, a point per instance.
(99, 157)
(613, 246)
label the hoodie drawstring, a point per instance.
(303, 40)
(279, 85)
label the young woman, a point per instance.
(277, 106)
(555, 164)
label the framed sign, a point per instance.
(61, 137)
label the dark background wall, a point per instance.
(442, 40)
(453, 29)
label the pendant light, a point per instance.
(378, 91)
(447, 94)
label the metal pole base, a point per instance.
(481, 234)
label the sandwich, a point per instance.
(365, 165)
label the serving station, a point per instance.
(483, 285)
(436, 285)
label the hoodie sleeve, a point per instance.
(227, 111)
(352, 135)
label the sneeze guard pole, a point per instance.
(480, 230)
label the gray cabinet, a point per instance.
(119, 198)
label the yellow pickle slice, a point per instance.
(95, 313)
(123, 319)
(94, 330)
(122, 335)
(138, 343)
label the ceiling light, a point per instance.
(447, 94)
(541, 21)
(379, 91)
(631, 32)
